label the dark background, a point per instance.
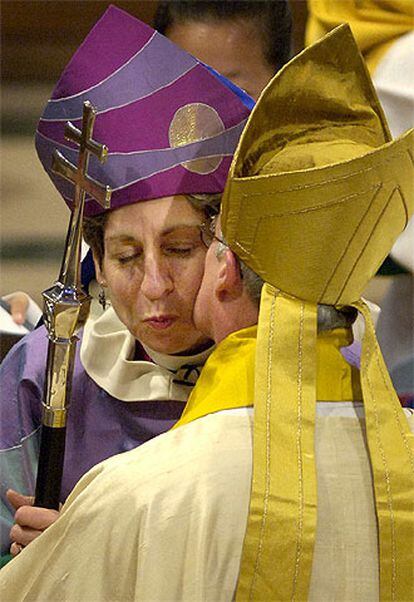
(39, 37)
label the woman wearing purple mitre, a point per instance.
(171, 125)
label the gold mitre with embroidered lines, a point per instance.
(333, 222)
(316, 196)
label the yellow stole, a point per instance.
(285, 376)
(284, 497)
(227, 379)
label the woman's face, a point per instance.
(153, 265)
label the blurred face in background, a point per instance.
(231, 47)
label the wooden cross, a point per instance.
(78, 175)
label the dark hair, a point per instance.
(94, 227)
(93, 230)
(271, 17)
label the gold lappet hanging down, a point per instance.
(316, 171)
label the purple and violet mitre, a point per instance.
(171, 123)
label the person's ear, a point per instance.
(229, 282)
(100, 276)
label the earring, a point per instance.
(102, 297)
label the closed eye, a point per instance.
(124, 259)
(179, 251)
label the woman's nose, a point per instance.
(157, 279)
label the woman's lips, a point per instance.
(160, 322)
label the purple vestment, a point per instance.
(99, 426)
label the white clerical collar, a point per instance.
(175, 362)
(106, 351)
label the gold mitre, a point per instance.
(317, 174)
(316, 195)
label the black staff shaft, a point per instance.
(56, 399)
(50, 468)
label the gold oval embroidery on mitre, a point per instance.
(191, 123)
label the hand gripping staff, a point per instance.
(66, 307)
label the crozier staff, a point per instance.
(66, 308)
(171, 125)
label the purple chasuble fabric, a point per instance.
(99, 426)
